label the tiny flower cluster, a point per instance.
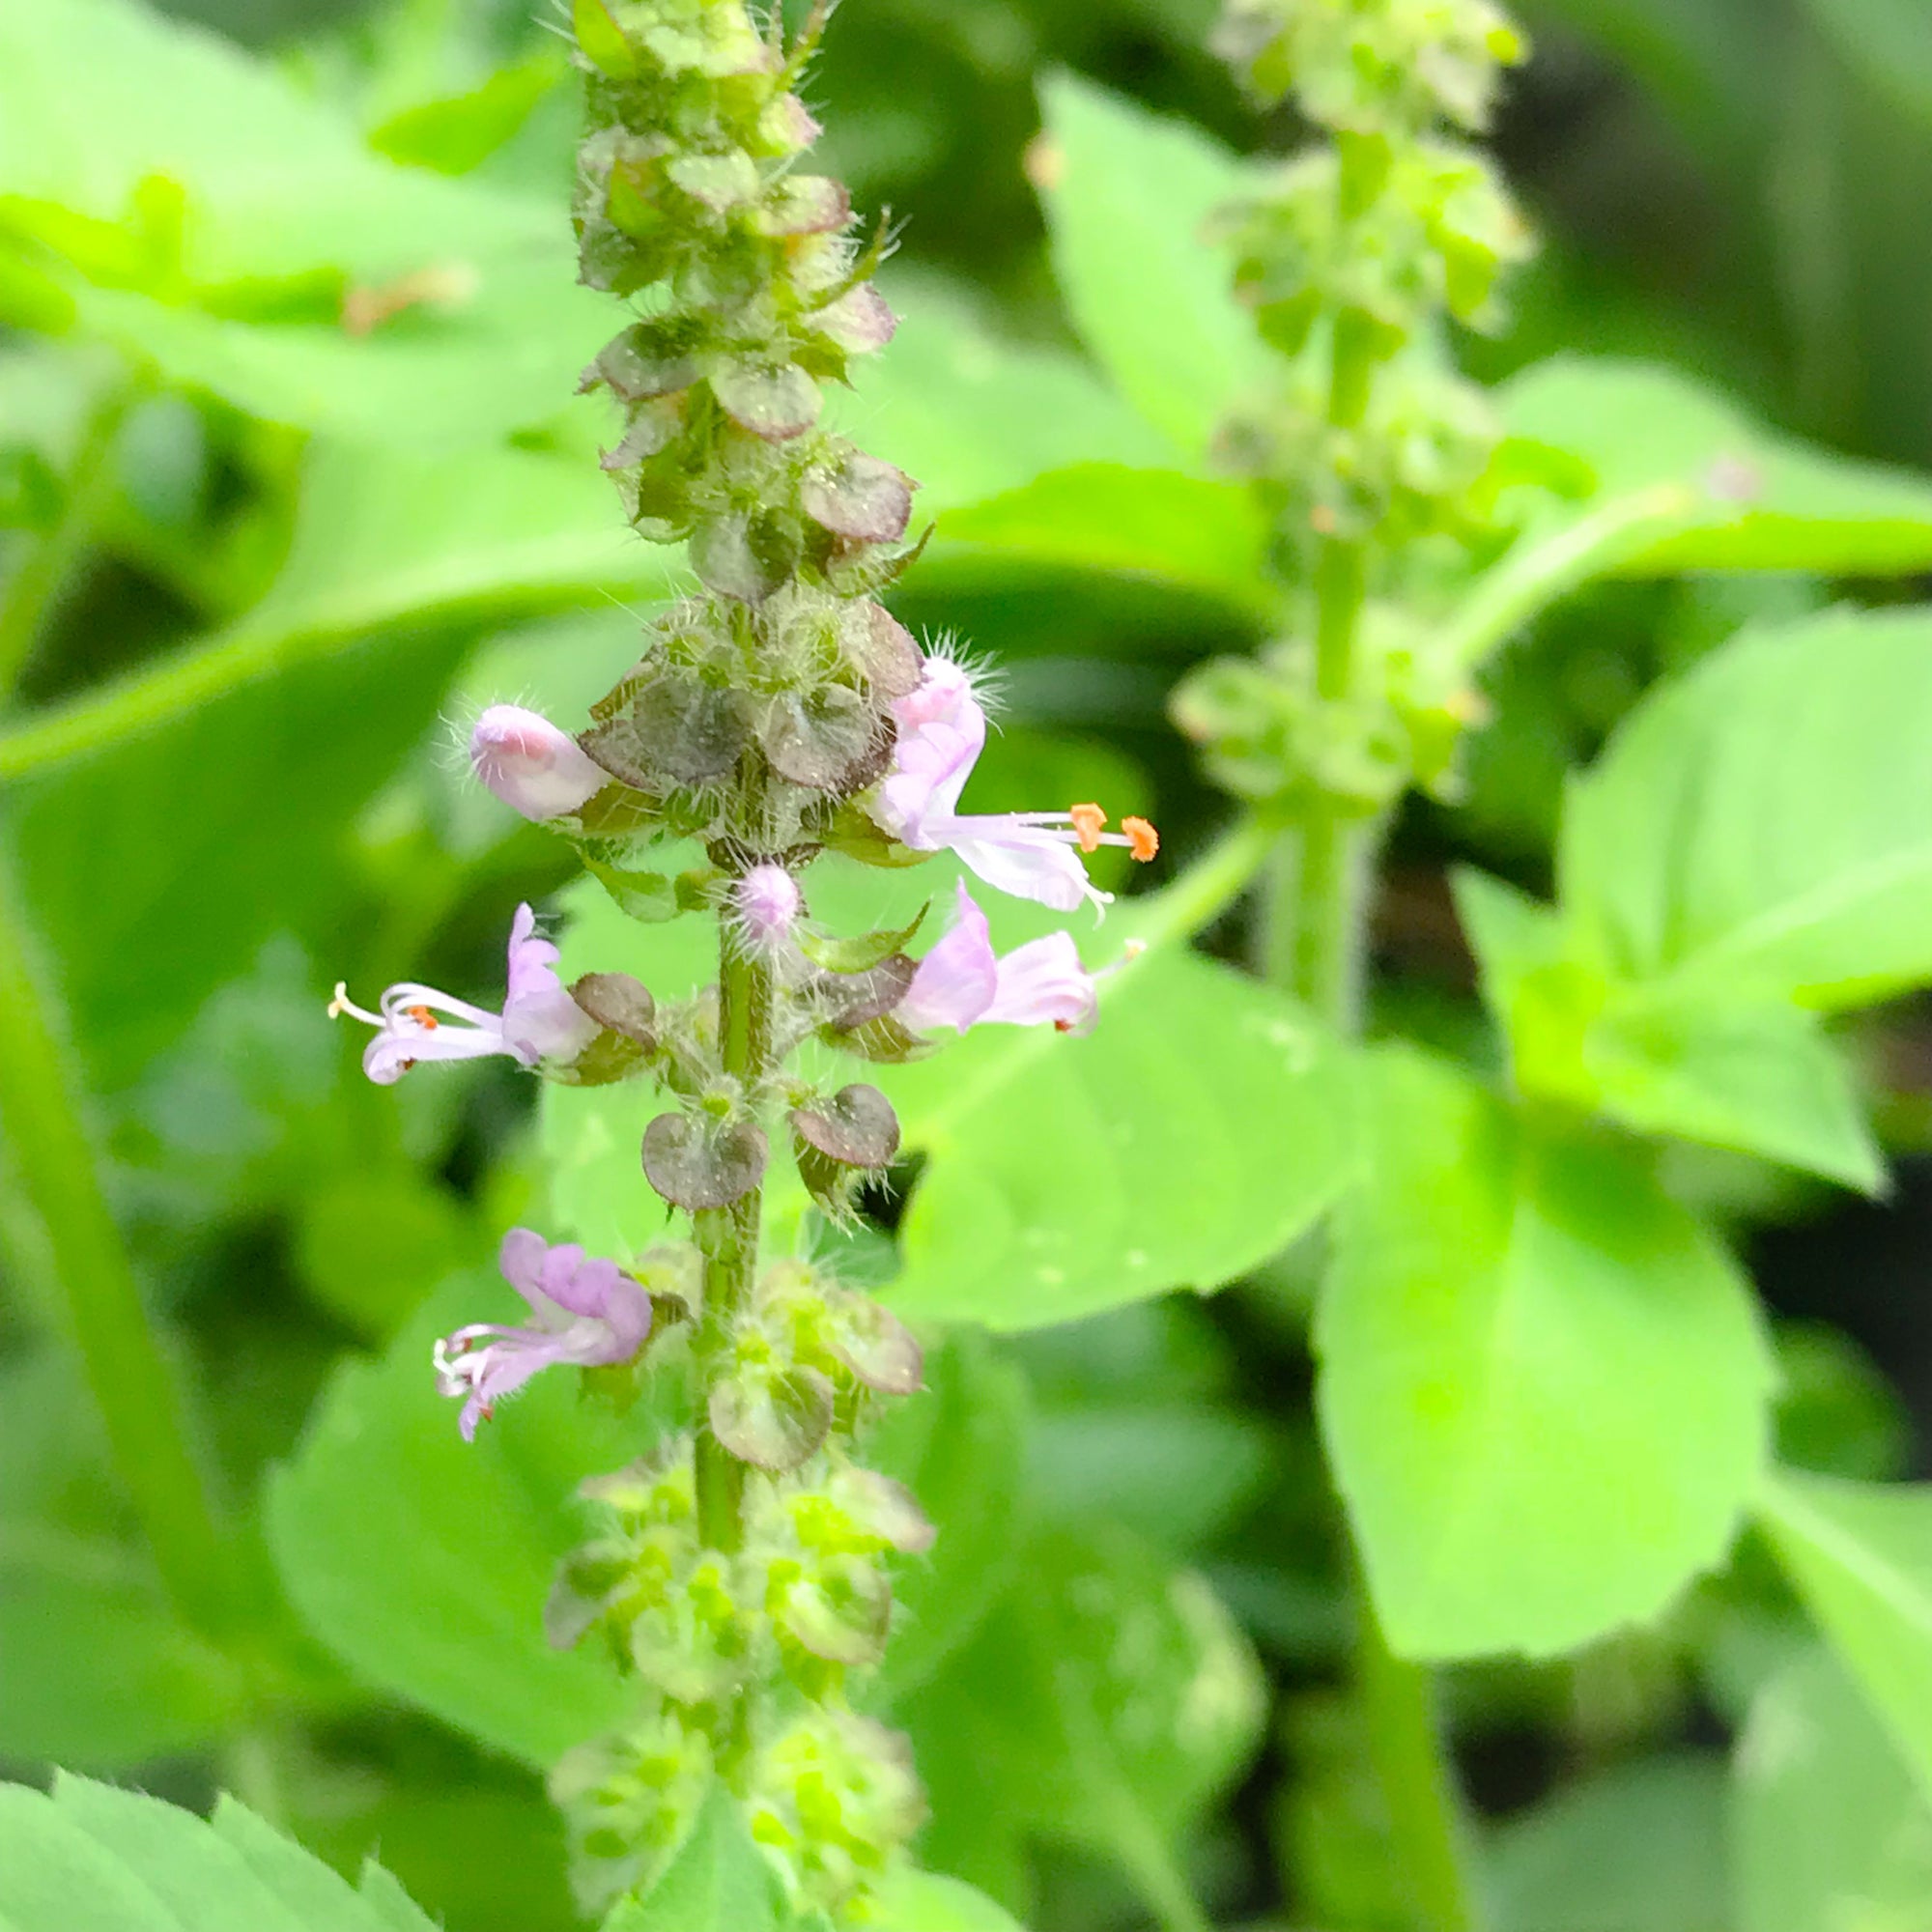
(777, 713)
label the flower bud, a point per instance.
(768, 902)
(530, 765)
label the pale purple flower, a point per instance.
(768, 903)
(539, 1020)
(962, 982)
(1033, 855)
(588, 1312)
(530, 765)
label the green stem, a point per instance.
(1418, 1784)
(36, 585)
(728, 1238)
(1319, 958)
(41, 1109)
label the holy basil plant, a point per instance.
(696, 1431)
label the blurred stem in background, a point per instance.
(131, 1378)
(34, 587)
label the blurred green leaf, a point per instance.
(1836, 1413)
(1827, 1828)
(1758, 1076)
(1757, 829)
(457, 132)
(1193, 1134)
(959, 1450)
(1885, 42)
(1753, 499)
(1861, 1556)
(921, 1901)
(99, 1671)
(444, 1836)
(469, 353)
(1177, 1473)
(1637, 1849)
(1105, 1701)
(972, 415)
(1544, 1387)
(1127, 194)
(1183, 531)
(214, 834)
(189, 204)
(719, 1881)
(370, 1246)
(380, 540)
(90, 1858)
(100, 99)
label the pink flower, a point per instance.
(539, 1020)
(588, 1312)
(961, 983)
(942, 728)
(530, 765)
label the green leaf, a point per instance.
(90, 1858)
(1637, 1849)
(483, 352)
(921, 1901)
(1759, 1077)
(1861, 1556)
(1186, 532)
(1757, 829)
(423, 1562)
(1127, 194)
(1753, 499)
(1828, 1828)
(100, 1669)
(380, 539)
(1544, 1386)
(972, 415)
(457, 132)
(1885, 42)
(959, 1450)
(862, 951)
(719, 1881)
(97, 1669)
(1177, 1472)
(1191, 1136)
(1106, 1701)
(215, 833)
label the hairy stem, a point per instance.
(36, 585)
(41, 1109)
(729, 1237)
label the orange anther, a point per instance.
(423, 1018)
(1143, 841)
(1088, 820)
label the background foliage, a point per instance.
(256, 564)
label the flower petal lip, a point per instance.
(1033, 854)
(961, 983)
(533, 766)
(958, 979)
(587, 1312)
(539, 1022)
